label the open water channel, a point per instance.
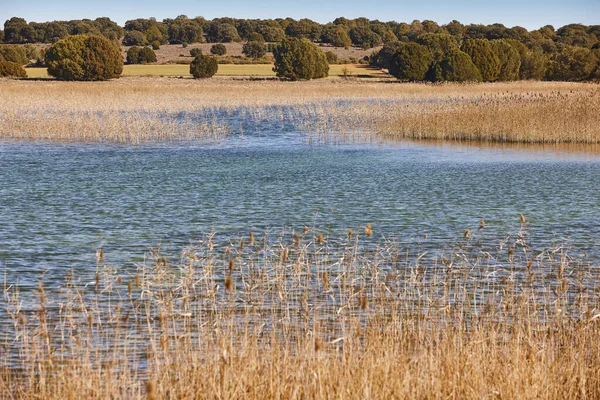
(60, 202)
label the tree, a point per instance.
(410, 62)
(155, 45)
(1, 36)
(483, 56)
(364, 37)
(336, 35)
(299, 59)
(384, 57)
(456, 67)
(217, 32)
(195, 52)
(135, 38)
(133, 55)
(271, 33)
(203, 67)
(534, 65)
(218, 49)
(256, 37)
(510, 60)
(184, 30)
(304, 28)
(440, 45)
(11, 69)
(16, 30)
(14, 53)
(84, 58)
(331, 57)
(254, 50)
(572, 64)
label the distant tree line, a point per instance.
(416, 51)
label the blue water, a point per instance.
(58, 202)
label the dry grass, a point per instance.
(306, 316)
(240, 70)
(136, 110)
(559, 116)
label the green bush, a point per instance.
(11, 69)
(440, 45)
(410, 62)
(456, 67)
(196, 52)
(155, 45)
(534, 65)
(84, 58)
(299, 59)
(572, 64)
(218, 49)
(140, 55)
(135, 38)
(14, 53)
(203, 67)
(254, 50)
(256, 37)
(484, 57)
(332, 58)
(510, 60)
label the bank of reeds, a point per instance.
(306, 316)
(140, 110)
(555, 117)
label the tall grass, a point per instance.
(303, 315)
(138, 110)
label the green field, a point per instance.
(261, 70)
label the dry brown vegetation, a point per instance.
(135, 110)
(306, 316)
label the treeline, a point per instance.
(417, 51)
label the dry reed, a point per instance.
(139, 110)
(353, 318)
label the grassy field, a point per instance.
(261, 70)
(306, 316)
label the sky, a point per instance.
(529, 14)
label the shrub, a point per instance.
(218, 49)
(195, 52)
(84, 58)
(483, 56)
(133, 55)
(572, 64)
(147, 55)
(184, 45)
(510, 60)
(14, 53)
(203, 67)
(456, 67)
(332, 58)
(156, 45)
(135, 38)
(11, 69)
(299, 59)
(254, 50)
(410, 62)
(256, 37)
(534, 65)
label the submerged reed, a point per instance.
(348, 318)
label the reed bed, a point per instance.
(141, 110)
(556, 117)
(303, 315)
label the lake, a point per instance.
(60, 202)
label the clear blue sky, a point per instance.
(529, 14)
